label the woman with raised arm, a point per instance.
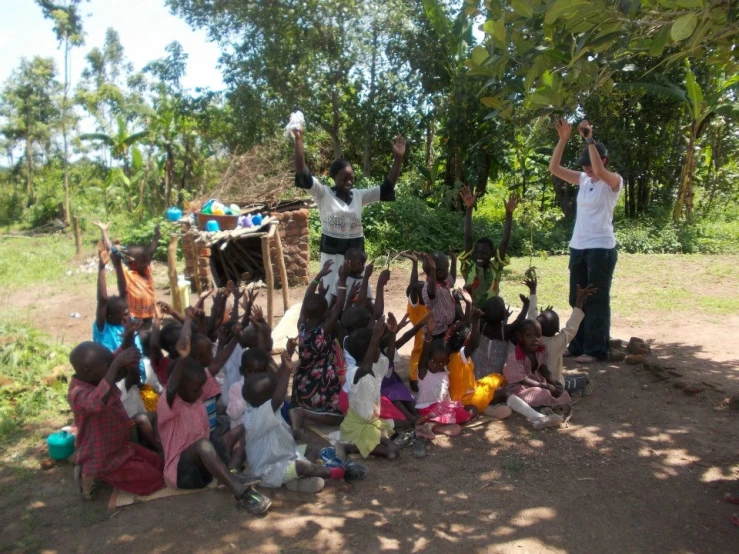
(593, 246)
(340, 206)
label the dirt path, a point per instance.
(641, 468)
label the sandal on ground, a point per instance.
(419, 449)
(355, 472)
(328, 456)
(404, 438)
(585, 359)
(731, 498)
(307, 484)
(253, 501)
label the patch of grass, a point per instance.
(38, 260)
(33, 374)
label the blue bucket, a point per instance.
(212, 226)
(61, 445)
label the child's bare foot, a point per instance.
(548, 421)
(425, 432)
(86, 486)
(498, 411)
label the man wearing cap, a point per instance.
(593, 245)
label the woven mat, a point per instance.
(120, 498)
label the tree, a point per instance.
(30, 108)
(68, 30)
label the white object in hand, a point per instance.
(297, 120)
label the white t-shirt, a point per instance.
(364, 396)
(339, 220)
(432, 389)
(594, 222)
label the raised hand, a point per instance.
(564, 129)
(103, 253)
(164, 308)
(368, 269)
(257, 315)
(531, 283)
(345, 270)
(409, 255)
(586, 130)
(322, 289)
(297, 134)
(379, 329)
(429, 260)
(231, 288)
(383, 278)
(582, 294)
(203, 296)
(130, 356)
(524, 300)
(183, 346)
(476, 314)
(467, 196)
(398, 146)
(100, 225)
(391, 324)
(465, 295)
(404, 321)
(325, 270)
(511, 203)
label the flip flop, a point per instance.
(405, 438)
(419, 449)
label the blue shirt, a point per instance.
(111, 337)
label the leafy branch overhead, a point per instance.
(548, 56)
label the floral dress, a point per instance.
(321, 372)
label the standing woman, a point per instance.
(593, 245)
(340, 207)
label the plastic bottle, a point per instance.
(183, 290)
(248, 222)
(257, 219)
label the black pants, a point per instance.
(593, 267)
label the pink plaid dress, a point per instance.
(518, 367)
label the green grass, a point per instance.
(25, 262)
(30, 392)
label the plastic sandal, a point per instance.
(354, 472)
(253, 502)
(419, 449)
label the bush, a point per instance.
(142, 232)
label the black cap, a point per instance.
(585, 156)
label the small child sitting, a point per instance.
(270, 447)
(362, 426)
(135, 282)
(191, 458)
(416, 311)
(480, 271)
(437, 292)
(496, 336)
(530, 384)
(554, 339)
(104, 447)
(253, 360)
(357, 260)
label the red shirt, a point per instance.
(103, 428)
(161, 370)
(182, 425)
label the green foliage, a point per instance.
(134, 232)
(30, 392)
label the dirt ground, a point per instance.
(641, 467)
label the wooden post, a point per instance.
(172, 272)
(283, 269)
(267, 262)
(195, 253)
(77, 235)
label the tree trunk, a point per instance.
(563, 194)
(685, 193)
(168, 173)
(29, 159)
(335, 119)
(369, 130)
(643, 196)
(483, 171)
(64, 132)
(632, 197)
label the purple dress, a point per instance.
(394, 389)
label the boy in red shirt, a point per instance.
(191, 460)
(104, 447)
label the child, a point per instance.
(112, 315)
(362, 426)
(444, 415)
(480, 271)
(163, 339)
(270, 447)
(530, 384)
(135, 282)
(357, 259)
(496, 335)
(474, 394)
(191, 459)
(416, 311)
(554, 339)
(437, 293)
(253, 360)
(321, 371)
(104, 449)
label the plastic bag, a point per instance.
(297, 120)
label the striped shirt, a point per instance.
(141, 296)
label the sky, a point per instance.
(145, 27)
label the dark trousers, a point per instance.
(593, 267)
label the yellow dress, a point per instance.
(463, 387)
(416, 314)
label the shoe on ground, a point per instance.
(308, 484)
(86, 486)
(419, 449)
(405, 438)
(355, 472)
(254, 502)
(328, 456)
(548, 421)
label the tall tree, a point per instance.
(69, 34)
(29, 105)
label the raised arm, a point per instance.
(380, 294)
(338, 307)
(510, 207)
(300, 166)
(427, 340)
(474, 341)
(283, 378)
(430, 275)
(325, 270)
(408, 335)
(222, 357)
(166, 309)
(216, 312)
(452, 263)
(101, 313)
(468, 199)
(555, 164)
(413, 284)
(392, 328)
(612, 179)
(531, 282)
(175, 378)
(398, 148)
(365, 368)
(152, 248)
(364, 287)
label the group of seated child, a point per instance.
(181, 401)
